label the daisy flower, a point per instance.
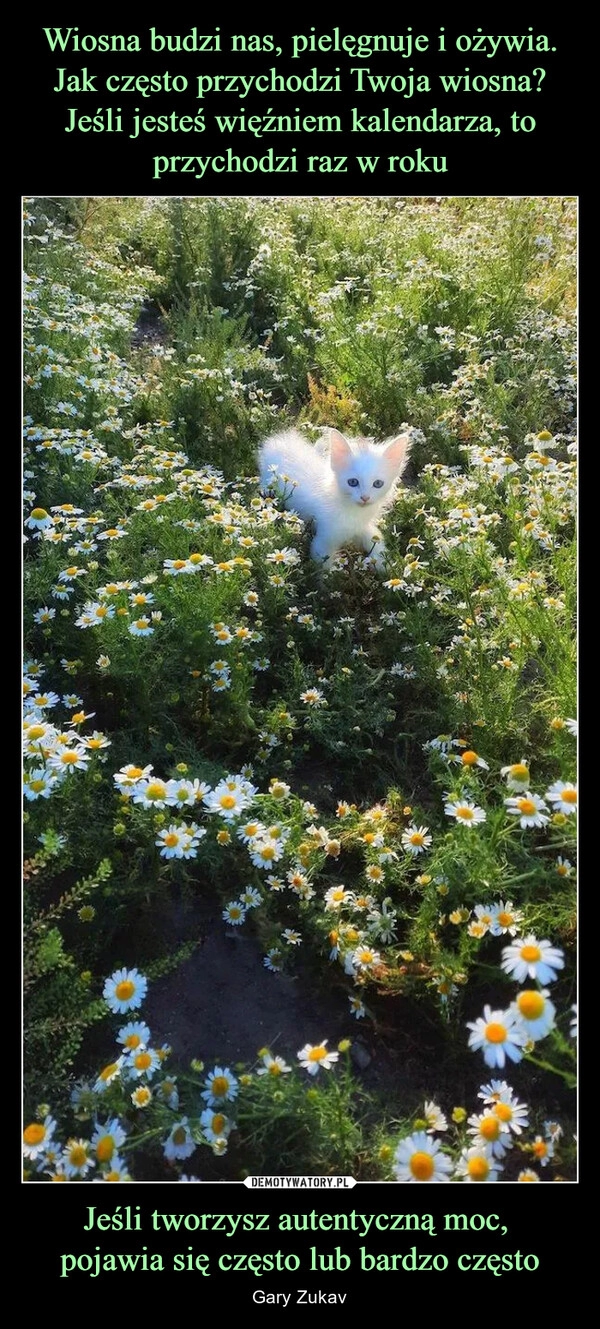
(107, 1139)
(39, 520)
(142, 1061)
(357, 1007)
(77, 1159)
(142, 1096)
(528, 1174)
(313, 697)
(251, 830)
(180, 1142)
(365, 958)
(543, 1150)
(273, 960)
(134, 1035)
(477, 1164)
(436, 1121)
(39, 783)
(563, 796)
(314, 1057)
(37, 1137)
(141, 628)
(273, 1066)
(517, 776)
(466, 814)
(131, 775)
(228, 799)
(291, 937)
(530, 958)
(419, 1158)
(221, 1086)
(416, 839)
(250, 898)
(469, 758)
(490, 1133)
(535, 1012)
(172, 843)
(125, 990)
(265, 850)
(505, 918)
(234, 913)
(107, 1075)
(151, 793)
(71, 759)
(215, 1126)
(336, 896)
(498, 1034)
(504, 1104)
(529, 808)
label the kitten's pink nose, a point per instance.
(365, 498)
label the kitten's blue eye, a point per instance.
(353, 483)
(378, 484)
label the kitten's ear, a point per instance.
(340, 451)
(396, 452)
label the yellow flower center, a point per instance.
(469, 758)
(36, 731)
(39, 514)
(267, 852)
(78, 1155)
(531, 954)
(125, 989)
(519, 771)
(134, 772)
(317, 1054)
(495, 1033)
(505, 920)
(34, 1134)
(105, 1149)
(37, 785)
(540, 1148)
(531, 1004)
(489, 1127)
(503, 1111)
(227, 801)
(274, 1068)
(69, 758)
(171, 840)
(132, 1041)
(421, 1166)
(218, 1123)
(108, 1071)
(156, 791)
(465, 813)
(143, 1061)
(179, 563)
(179, 1135)
(142, 1096)
(417, 838)
(478, 1168)
(219, 1085)
(569, 795)
(526, 806)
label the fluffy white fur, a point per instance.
(341, 484)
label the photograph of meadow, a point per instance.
(300, 809)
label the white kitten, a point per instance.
(342, 485)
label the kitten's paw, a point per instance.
(320, 552)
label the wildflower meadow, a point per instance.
(354, 787)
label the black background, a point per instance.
(550, 161)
